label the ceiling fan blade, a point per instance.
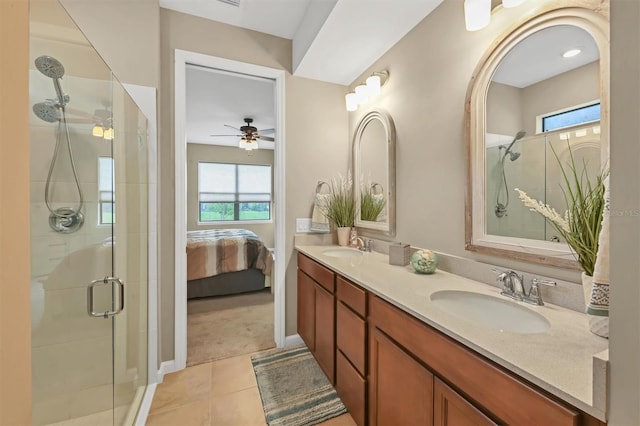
(266, 138)
(227, 135)
(267, 131)
(226, 125)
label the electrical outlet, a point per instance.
(303, 225)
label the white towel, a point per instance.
(599, 303)
(319, 222)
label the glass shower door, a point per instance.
(130, 153)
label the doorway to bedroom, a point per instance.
(230, 131)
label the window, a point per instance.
(234, 192)
(572, 117)
(106, 211)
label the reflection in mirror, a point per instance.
(541, 92)
(374, 172)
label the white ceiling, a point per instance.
(333, 40)
(539, 56)
(215, 98)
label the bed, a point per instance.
(226, 261)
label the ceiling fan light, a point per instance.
(512, 3)
(477, 14)
(108, 134)
(97, 131)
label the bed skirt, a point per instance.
(228, 283)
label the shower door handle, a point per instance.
(117, 297)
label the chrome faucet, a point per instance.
(364, 245)
(513, 287)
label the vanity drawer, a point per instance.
(480, 380)
(351, 388)
(323, 276)
(352, 296)
(351, 336)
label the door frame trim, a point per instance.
(182, 58)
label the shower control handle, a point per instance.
(117, 297)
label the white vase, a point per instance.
(343, 235)
(597, 324)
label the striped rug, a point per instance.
(293, 388)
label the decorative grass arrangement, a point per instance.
(371, 205)
(582, 221)
(340, 206)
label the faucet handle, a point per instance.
(507, 284)
(535, 297)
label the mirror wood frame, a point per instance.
(388, 228)
(589, 15)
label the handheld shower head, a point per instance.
(46, 111)
(513, 156)
(53, 68)
(49, 66)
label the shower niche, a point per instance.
(89, 231)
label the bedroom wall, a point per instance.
(223, 154)
(316, 135)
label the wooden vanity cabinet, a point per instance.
(316, 312)
(351, 348)
(451, 409)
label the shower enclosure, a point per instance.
(528, 163)
(89, 231)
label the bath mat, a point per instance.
(293, 388)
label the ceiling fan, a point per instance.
(249, 135)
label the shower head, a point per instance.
(519, 135)
(49, 66)
(52, 68)
(513, 156)
(46, 111)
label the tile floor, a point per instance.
(219, 393)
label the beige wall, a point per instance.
(624, 339)
(223, 154)
(510, 109)
(15, 320)
(316, 132)
(568, 89)
(125, 33)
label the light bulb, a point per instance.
(97, 131)
(362, 94)
(352, 101)
(373, 85)
(512, 3)
(477, 14)
(108, 134)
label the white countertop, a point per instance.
(559, 360)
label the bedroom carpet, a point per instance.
(226, 326)
(293, 388)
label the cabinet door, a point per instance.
(451, 409)
(400, 388)
(325, 347)
(307, 310)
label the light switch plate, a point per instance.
(303, 225)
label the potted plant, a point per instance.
(371, 204)
(340, 208)
(581, 224)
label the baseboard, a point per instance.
(293, 340)
(145, 406)
(166, 367)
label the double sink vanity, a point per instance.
(405, 348)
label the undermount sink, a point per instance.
(342, 252)
(489, 311)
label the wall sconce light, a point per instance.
(477, 13)
(366, 91)
(102, 128)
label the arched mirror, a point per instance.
(538, 98)
(374, 172)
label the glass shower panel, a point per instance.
(131, 261)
